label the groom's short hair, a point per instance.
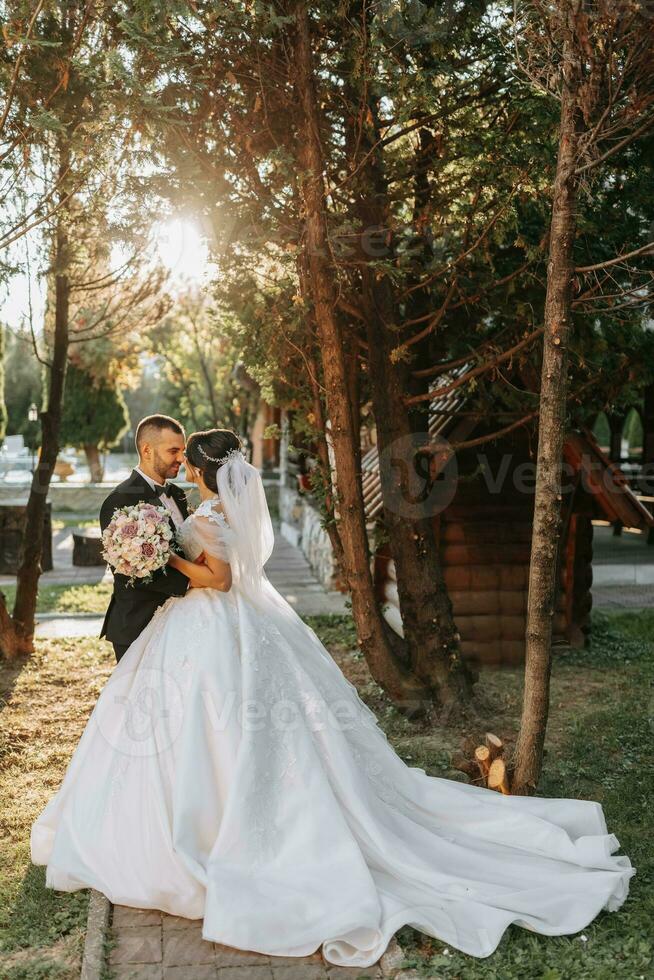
(156, 423)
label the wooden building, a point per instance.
(484, 532)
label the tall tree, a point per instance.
(448, 155)
(374, 636)
(597, 59)
(71, 104)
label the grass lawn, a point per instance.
(59, 523)
(45, 707)
(68, 598)
(599, 747)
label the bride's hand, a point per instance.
(212, 573)
(173, 560)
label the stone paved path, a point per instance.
(149, 945)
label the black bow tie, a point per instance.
(159, 491)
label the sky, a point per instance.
(178, 244)
(15, 294)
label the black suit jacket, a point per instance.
(132, 606)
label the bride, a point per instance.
(230, 772)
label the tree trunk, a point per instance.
(528, 756)
(12, 642)
(94, 460)
(375, 637)
(322, 447)
(30, 569)
(430, 633)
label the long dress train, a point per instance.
(230, 772)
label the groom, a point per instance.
(160, 445)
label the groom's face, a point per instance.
(166, 454)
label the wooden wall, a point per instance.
(485, 541)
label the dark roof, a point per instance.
(605, 481)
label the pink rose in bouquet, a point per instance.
(138, 541)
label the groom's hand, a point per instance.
(201, 559)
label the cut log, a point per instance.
(502, 626)
(468, 512)
(486, 554)
(483, 760)
(484, 602)
(495, 745)
(478, 577)
(497, 777)
(498, 651)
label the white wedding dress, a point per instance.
(230, 772)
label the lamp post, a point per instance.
(33, 416)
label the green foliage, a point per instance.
(633, 432)
(196, 355)
(336, 632)
(94, 413)
(602, 429)
(23, 387)
(476, 171)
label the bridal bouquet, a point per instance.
(138, 541)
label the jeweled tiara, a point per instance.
(221, 459)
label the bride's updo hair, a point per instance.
(213, 443)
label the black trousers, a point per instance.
(120, 649)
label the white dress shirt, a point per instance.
(167, 501)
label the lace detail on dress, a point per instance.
(274, 761)
(208, 509)
(206, 529)
(383, 787)
(121, 765)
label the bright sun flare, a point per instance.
(182, 249)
